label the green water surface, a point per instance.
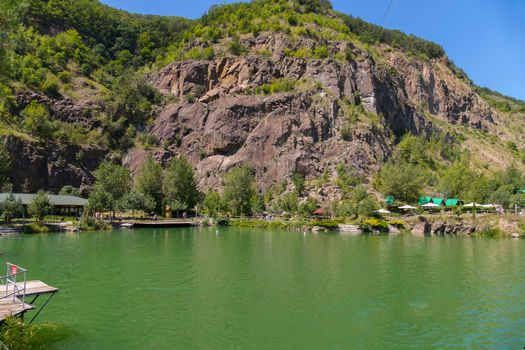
(255, 289)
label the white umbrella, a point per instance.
(382, 211)
(407, 207)
(430, 205)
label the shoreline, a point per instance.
(480, 225)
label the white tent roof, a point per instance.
(382, 211)
(470, 205)
(407, 207)
(430, 205)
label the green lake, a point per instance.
(232, 288)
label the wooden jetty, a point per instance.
(10, 307)
(14, 290)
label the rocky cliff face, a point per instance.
(293, 86)
(43, 165)
(340, 112)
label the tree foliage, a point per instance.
(112, 182)
(40, 205)
(69, 190)
(134, 200)
(213, 203)
(36, 120)
(11, 207)
(180, 187)
(239, 190)
(359, 203)
(372, 34)
(149, 183)
(402, 180)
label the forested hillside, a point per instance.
(291, 88)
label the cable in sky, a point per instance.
(384, 18)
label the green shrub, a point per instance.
(147, 141)
(397, 223)
(197, 53)
(293, 21)
(276, 86)
(36, 120)
(15, 334)
(346, 132)
(65, 77)
(321, 52)
(374, 224)
(349, 55)
(236, 48)
(269, 224)
(328, 224)
(35, 228)
(490, 231)
(88, 223)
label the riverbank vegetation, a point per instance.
(16, 334)
(418, 165)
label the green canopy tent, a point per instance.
(424, 200)
(438, 201)
(389, 200)
(453, 202)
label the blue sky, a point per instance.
(484, 37)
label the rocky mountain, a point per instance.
(305, 91)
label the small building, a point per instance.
(62, 205)
(320, 212)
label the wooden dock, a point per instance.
(15, 289)
(11, 303)
(162, 223)
(32, 288)
(13, 307)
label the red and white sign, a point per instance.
(14, 269)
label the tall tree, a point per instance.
(11, 207)
(40, 205)
(99, 199)
(149, 182)
(134, 200)
(402, 180)
(239, 190)
(180, 186)
(112, 183)
(213, 204)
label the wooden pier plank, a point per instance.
(12, 307)
(32, 288)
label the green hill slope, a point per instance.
(325, 94)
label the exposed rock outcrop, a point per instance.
(340, 111)
(219, 122)
(35, 166)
